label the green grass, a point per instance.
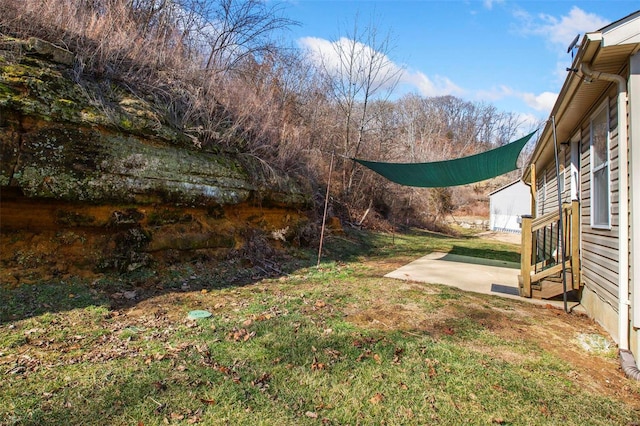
(331, 345)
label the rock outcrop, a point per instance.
(93, 177)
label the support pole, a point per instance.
(324, 215)
(561, 221)
(525, 257)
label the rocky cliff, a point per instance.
(94, 178)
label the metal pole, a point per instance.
(560, 224)
(324, 215)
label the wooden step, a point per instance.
(549, 288)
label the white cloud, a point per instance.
(560, 30)
(317, 48)
(325, 53)
(438, 86)
(529, 122)
(334, 55)
(488, 4)
(542, 102)
(494, 94)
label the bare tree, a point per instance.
(237, 29)
(359, 71)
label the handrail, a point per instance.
(548, 218)
(540, 228)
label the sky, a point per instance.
(510, 54)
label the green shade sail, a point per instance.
(459, 171)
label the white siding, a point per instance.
(507, 204)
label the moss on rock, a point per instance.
(99, 177)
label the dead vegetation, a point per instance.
(215, 73)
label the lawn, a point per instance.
(336, 345)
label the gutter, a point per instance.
(626, 357)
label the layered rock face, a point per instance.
(93, 178)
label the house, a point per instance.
(507, 205)
(587, 205)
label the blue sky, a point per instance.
(511, 54)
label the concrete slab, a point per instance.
(487, 276)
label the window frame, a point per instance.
(606, 164)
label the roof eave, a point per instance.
(568, 114)
(588, 48)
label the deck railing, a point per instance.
(541, 254)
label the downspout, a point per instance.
(626, 357)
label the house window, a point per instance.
(575, 167)
(600, 198)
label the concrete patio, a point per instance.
(487, 276)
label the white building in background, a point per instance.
(507, 204)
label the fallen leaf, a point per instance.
(160, 385)
(332, 353)
(208, 401)
(324, 406)
(377, 358)
(176, 416)
(432, 366)
(240, 335)
(320, 304)
(397, 353)
(311, 414)
(315, 365)
(363, 355)
(403, 386)
(262, 381)
(377, 398)
(223, 369)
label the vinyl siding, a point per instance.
(600, 246)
